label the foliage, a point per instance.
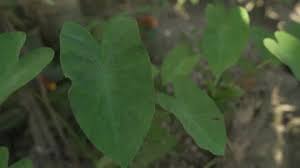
(179, 62)
(112, 92)
(199, 115)
(286, 48)
(15, 72)
(225, 36)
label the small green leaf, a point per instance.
(15, 72)
(112, 92)
(286, 48)
(225, 37)
(3, 157)
(179, 62)
(198, 114)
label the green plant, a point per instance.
(222, 44)
(225, 37)
(118, 70)
(112, 94)
(199, 123)
(286, 48)
(15, 72)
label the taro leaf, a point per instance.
(286, 48)
(112, 92)
(179, 62)
(225, 37)
(15, 72)
(157, 143)
(24, 163)
(3, 157)
(198, 114)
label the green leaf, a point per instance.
(24, 163)
(112, 92)
(157, 143)
(3, 157)
(286, 48)
(198, 114)
(15, 72)
(179, 62)
(225, 37)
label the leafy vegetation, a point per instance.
(286, 49)
(112, 90)
(225, 37)
(15, 72)
(199, 123)
(179, 62)
(120, 99)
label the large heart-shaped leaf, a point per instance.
(179, 62)
(286, 48)
(24, 163)
(225, 36)
(15, 72)
(112, 91)
(198, 114)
